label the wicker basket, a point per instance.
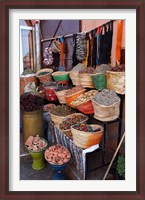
(56, 119)
(61, 96)
(86, 80)
(87, 139)
(25, 80)
(116, 81)
(74, 76)
(99, 81)
(46, 77)
(106, 113)
(68, 131)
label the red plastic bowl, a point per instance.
(86, 108)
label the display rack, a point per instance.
(79, 155)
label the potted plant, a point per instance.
(121, 167)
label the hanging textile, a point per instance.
(106, 43)
(81, 47)
(74, 58)
(62, 54)
(97, 45)
(85, 62)
(94, 48)
(56, 57)
(119, 39)
(114, 40)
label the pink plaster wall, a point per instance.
(88, 25)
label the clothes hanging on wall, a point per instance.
(106, 43)
(74, 58)
(100, 46)
(119, 39)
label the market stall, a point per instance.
(74, 107)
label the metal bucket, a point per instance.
(32, 124)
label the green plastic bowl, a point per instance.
(60, 76)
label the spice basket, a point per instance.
(24, 80)
(61, 96)
(86, 80)
(60, 76)
(70, 98)
(56, 119)
(46, 77)
(74, 76)
(99, 81)
(83, 103)
(106, 113)
(86, 108)
(116, 81)
(68, 132)
(87, 139)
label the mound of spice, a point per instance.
(86, 128)
(74, 90)
(27, 71)
(30, 102)
(78, 67)
(118, 68)
(43, 73)
(74, 119)
(57, 154)
(88, 70)
(103, 68)
(62, 110)
(84, 97)
(106, 97)
(36, 144)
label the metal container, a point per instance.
(32, 124)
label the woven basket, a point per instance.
(61, 76)
(56, 119)
(61, 96)
(99, 81)
(106, 113)
(25, 80)
(86, 80)
(70, 98)
(74, 76)
(116, 81)
(87, 139)
(68, 131)
(46, 77)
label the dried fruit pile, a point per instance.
(86, 128)
(75, 119)
(118, 68)
(30, 102)
(62, 110)
(35, 143)
(106, 97)
(84, 98)
(74, 90)
(57, 154)
(88, 70)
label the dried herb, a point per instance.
(30, 102)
